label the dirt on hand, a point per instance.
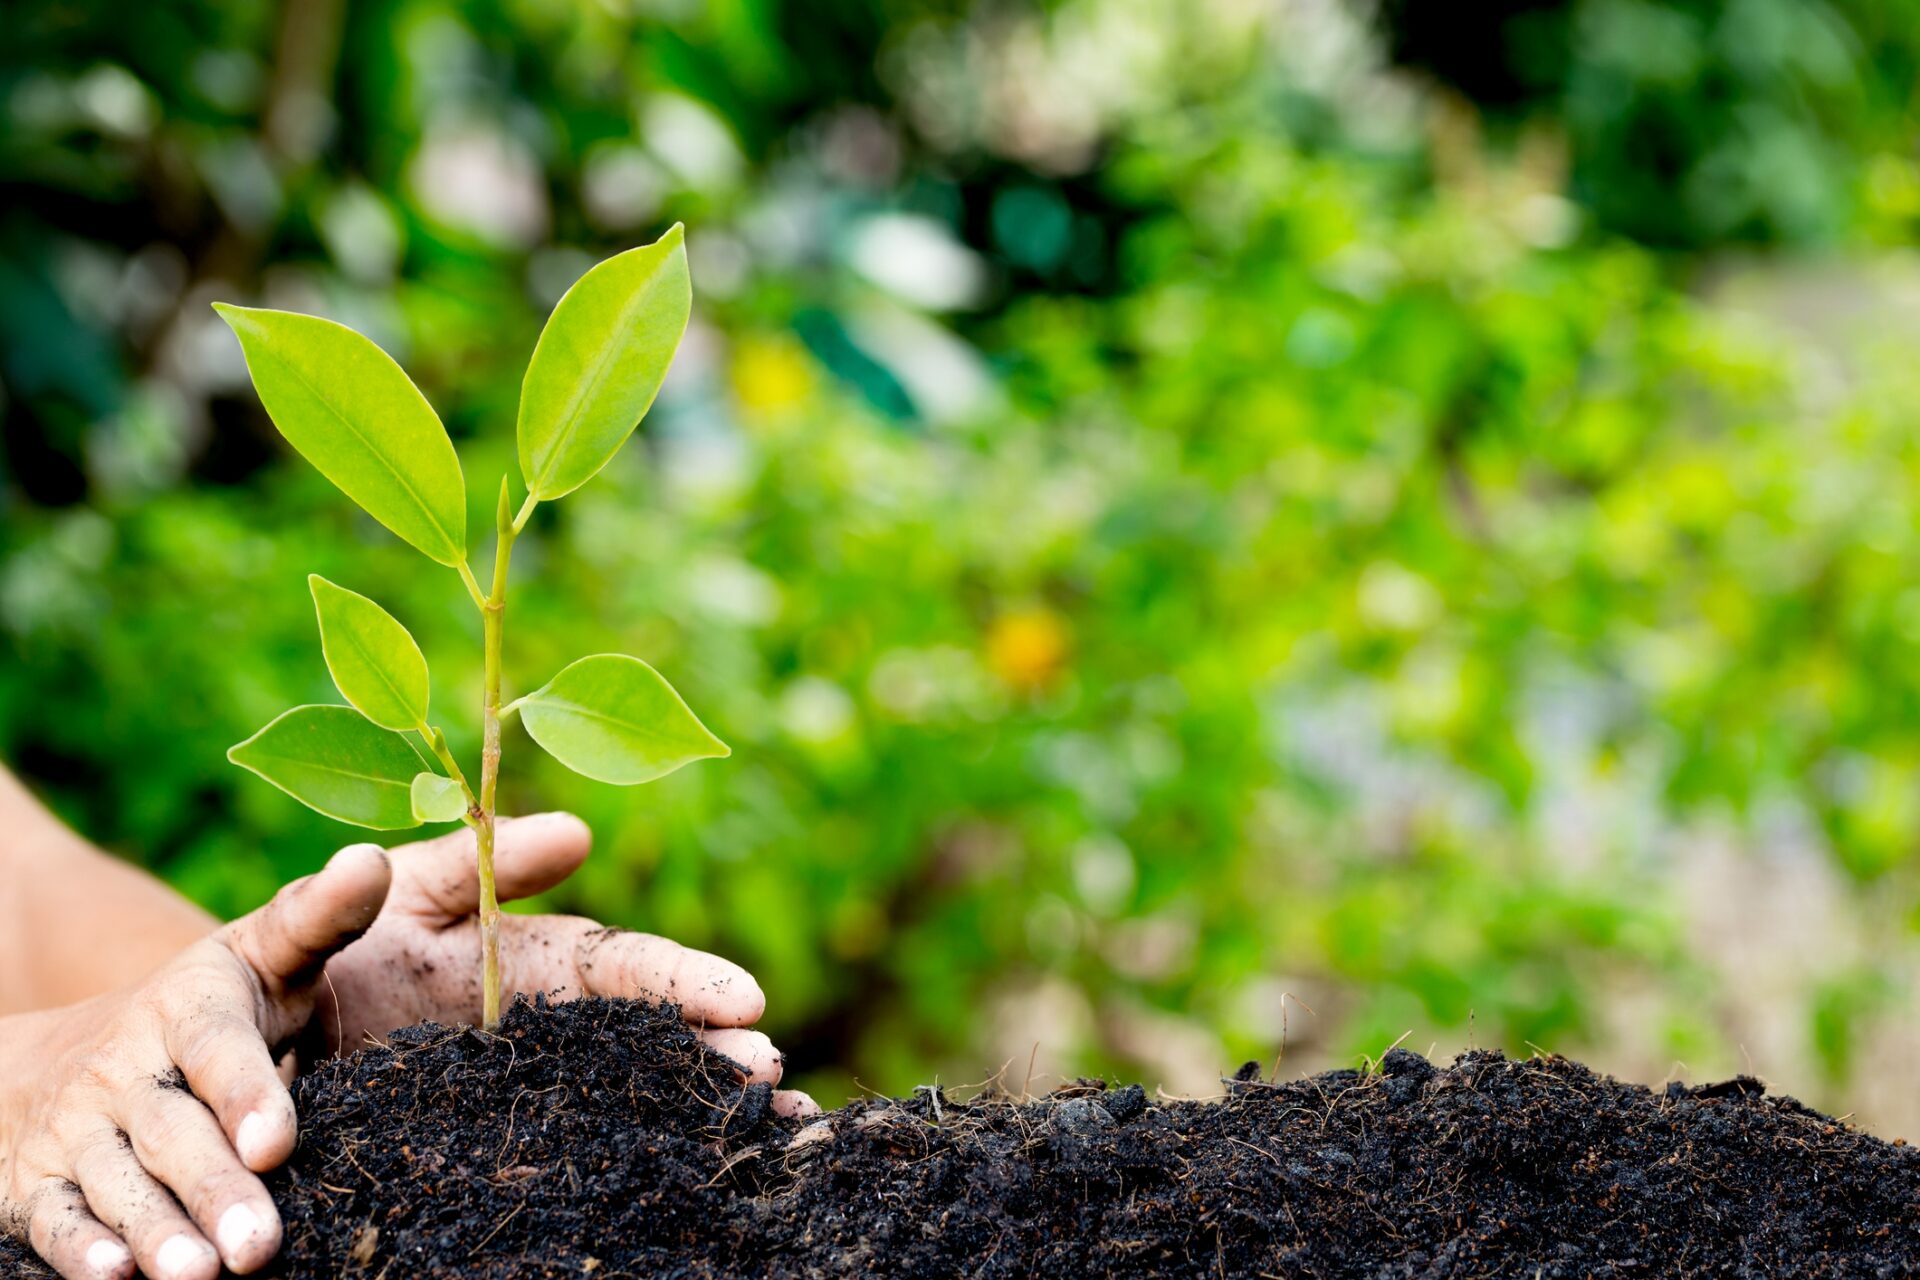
(601, 1139)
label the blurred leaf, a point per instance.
(336, 761)
(616, 719)
(375, 663)
(600, 362)
(354, 414)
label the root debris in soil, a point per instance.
(601, 1139)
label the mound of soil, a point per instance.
(601, 1139)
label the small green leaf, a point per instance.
(353, 413)
(337, 761)
(438, 799)
(374, 661)
(599, 363)
(616, 719)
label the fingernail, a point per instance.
(180, 1253)
(240, 1228)
(106, 1257)
(251, 1139)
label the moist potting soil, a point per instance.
(602, 1139)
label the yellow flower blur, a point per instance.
(1027, 647)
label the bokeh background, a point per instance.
(1208, 525)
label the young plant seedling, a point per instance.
(353, 413)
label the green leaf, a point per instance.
(374, 661)
(599, 363)
(353, 413)
(616, 719)
(437, 799)
(337, 761)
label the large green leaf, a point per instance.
(600, 362)
(616, 719)
(353, 413)
(337, 761)
(438, 799)
(374, 660)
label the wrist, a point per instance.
(77, 922)
(27, 1042)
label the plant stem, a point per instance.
(473, 586)
(491, 612)
(437, 743)
(493, 619)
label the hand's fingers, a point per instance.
(752, 1050)
(138, 1209)
(179, 1142)
(64, 1231)
(792, 1102)
(439, 879)
(710, 991)
(290, 939)
(229, 1068)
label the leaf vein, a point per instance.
(557, 704)
(358, 435)
(315, 767)
(353, 638)
(590, 386)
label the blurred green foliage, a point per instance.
(1166, 505)
(1697, 123)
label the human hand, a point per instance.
(132, 1125)
(421, 958)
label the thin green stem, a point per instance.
(437, 743)
(484, 827)
(473, 586)
(525, 513)
(493, 619)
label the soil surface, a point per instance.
(600, 1139)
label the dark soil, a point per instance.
(599, 1139)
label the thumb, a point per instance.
(289, 940)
